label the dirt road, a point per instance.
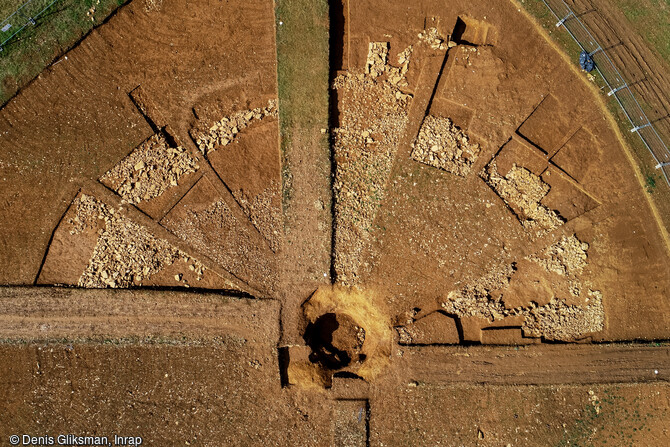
(538, 364)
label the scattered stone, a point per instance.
(125, 253)
(397, 75)
(475, 298)
(150, 170)
(432, 38)
(153, 5)
(443, 145)
(364, 146)
(560, 321)
(263, 213)
(557, 320)
(216, 231)
(595, 401)
(377, 57)
(565, 257)
(223, 132)
(522, 191)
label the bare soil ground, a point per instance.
(641, 66)
(303, 73)
(184, 258)
(41, 314)
(598, 415)
(177, 361)
(90, 122)
(105, 389)
(221, 394)
(549, 168)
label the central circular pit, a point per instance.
(336, 340)
(347, 332)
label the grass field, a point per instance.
(9, 6)
(302, 74)
(651, 20)
(302, 54)
(56, 31)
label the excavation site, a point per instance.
(343, 223)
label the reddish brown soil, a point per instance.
(436, 231)
(220, 393)
(227, 360)
(76, 120)
(103, 314)
(185, 323)
(216, 394)
(520, 416)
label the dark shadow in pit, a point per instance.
(337, 43)
(347, 375)
(459, 31)
(338, 60)
(284, 360)
(337, 53)
(319, 337)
